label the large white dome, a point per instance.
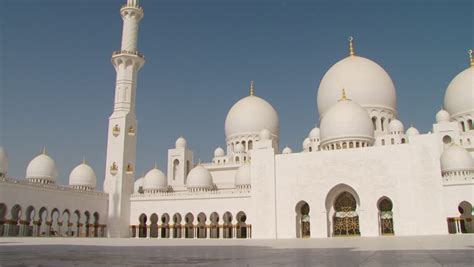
(83, 175)
(42, 167)
(199, 177)
(242, 176)
(456, 158)
(346, 121)
(3, 161)
(155, 180)
(459, 97)
(250, 115)
(366, 82)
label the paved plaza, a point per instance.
(360, 251)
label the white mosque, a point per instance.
(359, 174)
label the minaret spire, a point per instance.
(121, 142)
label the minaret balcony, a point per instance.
(125, 52)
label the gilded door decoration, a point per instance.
(346, 219)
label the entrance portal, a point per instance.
(346, 219)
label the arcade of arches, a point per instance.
(192, 226)
(34, 222)
(464, 223)
(345, 220)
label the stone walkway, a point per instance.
(359, 251)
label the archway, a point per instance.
(43, 227)
(65, 228)
(13, 227)
(214, 229)
(385, 216)
(466, 224)
(165, 226)
(303, 225)
(142, 228)
(29, 217)
(76, 224)
(55, 223)
(201, 226)
(87, 223)
(96, 224)
(227, 226)
(3, 214)
(189, 227)
(154, 225)
(345, 218)
(241, 225)
(177, 229)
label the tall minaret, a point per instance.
(121, 139)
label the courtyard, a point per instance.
(450, 250)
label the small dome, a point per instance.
(396, 126)
(42, 167)
(239, 148)
(242, 176)
(155, 180)
(3, 161)
(219, 152)
(443, 116)
(199, 177)
(287, 150)
(306, 143)
(459, 96)
(83, 175)
(367, 83)
(346, 121)
(180, 142)
(265, 134)
(456, 158)
(315, 133)
(250, 115)
(412, 131)
(136, 186)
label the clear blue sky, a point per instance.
(57, 83)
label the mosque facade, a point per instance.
(360, 173)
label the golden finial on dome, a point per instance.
(83, 160)
(351, 46)
(44, 150)
(155, 166)
(470, 57)
(343, 95)
(252, 91)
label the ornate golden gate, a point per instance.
(345, 219)
(386, 217)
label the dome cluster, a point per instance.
(42, 170)
(365, 81)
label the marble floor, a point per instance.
(395, 251)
